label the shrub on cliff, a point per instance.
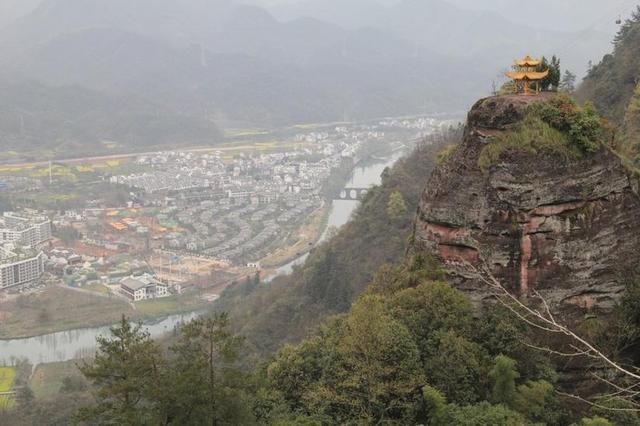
(533, 136)
(558, 126)
(582, 125)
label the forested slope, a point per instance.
(610, 83)
(613, 86)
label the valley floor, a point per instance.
(56, 309)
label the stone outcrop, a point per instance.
(565, 228)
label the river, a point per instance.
(73, 344)
(363, 176)
(68, 345)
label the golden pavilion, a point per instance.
(525, 71)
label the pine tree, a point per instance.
(555, 73)
(568, 82)
(201, 385)
(124, 373)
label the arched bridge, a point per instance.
(352, 194)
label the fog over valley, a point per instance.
(163, 71)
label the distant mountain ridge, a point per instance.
(486, 37)
(227, 64)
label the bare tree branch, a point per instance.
(547, 322)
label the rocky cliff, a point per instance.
(566, 228)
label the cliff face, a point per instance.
(565, 228)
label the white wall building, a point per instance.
(29, 231)
(19, 266)
(143, 287)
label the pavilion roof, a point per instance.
(527, 76)
(527, 61)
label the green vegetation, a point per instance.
(630, 147)
(532, 136)
(410, 351)
(96, 288)
(551, 81)
(50, 379)
(582, 125)
(168, 305)
(610, 84)
(613, 87)
(568, 83)
(558, 127)
(445, 153)
(7, 377)
(197, 382)
(396, 207)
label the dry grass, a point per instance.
(57, 309)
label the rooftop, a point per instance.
(11, 252)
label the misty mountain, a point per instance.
(231, 65)
(248, 69)
(477, 32)
(570, 15)
(72, 121)
(10, 10)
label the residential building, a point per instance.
(19, 265)
(29, 231)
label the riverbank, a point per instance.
(57, 309)
(300, 241)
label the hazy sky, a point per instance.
(561, 15)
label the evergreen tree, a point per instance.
(568, 82)
(504, 375)
(455, 368)
(555, 73)
(124, 373)
(371, 375)
(201, 384)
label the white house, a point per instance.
(143, 287)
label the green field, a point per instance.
(7, 376)
(168, 305)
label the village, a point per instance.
(189, 223)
